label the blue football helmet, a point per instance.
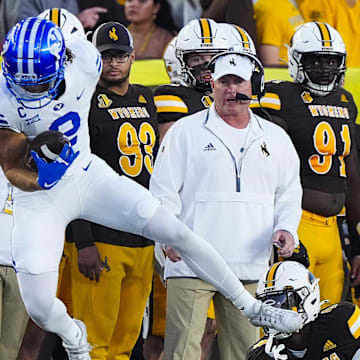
(34, 55)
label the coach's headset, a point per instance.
(257, 78)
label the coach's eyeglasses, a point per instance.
(119, 57)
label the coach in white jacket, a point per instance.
(233, 178)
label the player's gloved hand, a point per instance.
(49, 174)
(274, 351)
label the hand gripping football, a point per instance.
(48, 145)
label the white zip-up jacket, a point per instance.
(236, 207)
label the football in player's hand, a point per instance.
(48, 146)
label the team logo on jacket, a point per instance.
(264, 149)
(55, 42)
(206, 101)
(306, 97)
(141, 99)
(103, 101)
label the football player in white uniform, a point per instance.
(47, 86)
(36, 339)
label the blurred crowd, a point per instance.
(154, 22)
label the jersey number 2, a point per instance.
(325, 145)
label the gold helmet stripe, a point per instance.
(55, 16)
(325, 34)
(270, 276)
(244, 37)
(206, 33)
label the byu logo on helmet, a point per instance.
(34, 61)
(55, 42)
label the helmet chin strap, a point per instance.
(196, 75)
(317, 89)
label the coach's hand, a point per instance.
(89, 262)
(283, 240)
(172, 254)
(49, 174)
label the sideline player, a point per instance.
(331, 333)
(47, 86)
(192, 92)
(319, 115)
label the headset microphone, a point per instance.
(243, 97)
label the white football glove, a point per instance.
(274, 351)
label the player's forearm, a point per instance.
(81, 233)
(352, 201)
(23, 179)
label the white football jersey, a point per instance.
(68, 113)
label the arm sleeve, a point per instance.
(354, 238)
(352, 163)
(80, 232)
